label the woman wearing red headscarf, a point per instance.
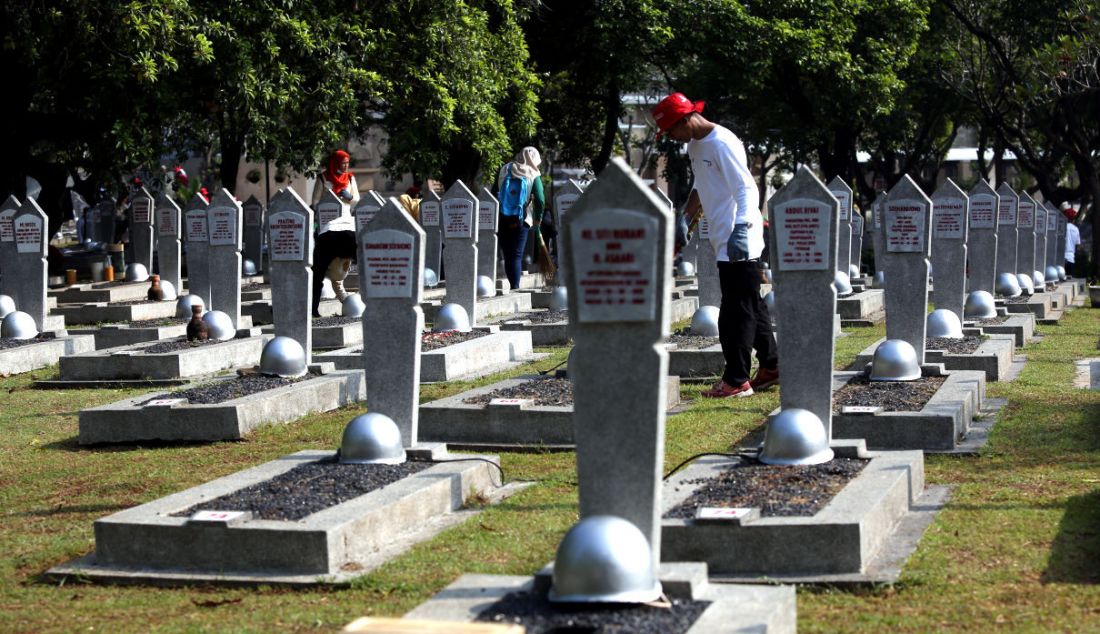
(338, 177)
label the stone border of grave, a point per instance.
(127, 363)
(558, 333)
(98, 292)
(338, 336)
(45, 353)
(939, 427)
(147, 544)
(865, 306)
(696, 364)
(862, 536)
(993, 357)
(466, 360)
(486, 307)
(100, 312)
(733, 608)
(121, 335)
(1020, 326)
(1038, 304)
(129, 420)
(508, 425)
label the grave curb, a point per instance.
(338, 336)
(97, 292)
(862, 306)
(485, 307)
(120, 336)
(1021, 326)
(1036, 304)
(45, 353)
(189, 362)
(993, 357)
(696, 362)
(94, 313)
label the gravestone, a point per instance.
(168, 241)
(619, 238)
(459, 209)
(29, 286)
(487, 209)
(1008, 236)
(710, 287)
(1041, 238)
(1025, 226)
(857, 241)
(564, 199)
(105, 221)
(804, 218)
(981, 245)
(907, 227)
(950, 207)
(392, 263)
(290, 256)
(876, 230)
(254, 231)
(429, 221)
(843, 194)
(7, 246)
(1054, 258)
(141, 228)
(224, 222)
(1060, 232)
(329, 208)
(198, 248)
(365, 210)
(81, 216)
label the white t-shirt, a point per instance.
(1073, 238)
(726, 189)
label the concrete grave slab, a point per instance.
(45, 353)
(558, 333)
(1087, 374)
(563, 200)
(993, 357)
(120, 335)
(337, 336)
(104, 292)
(130, 363)
(103, 312)
(1038, 304)
(261, 312)
(868, 305)
(486, 308)
(1020, 326)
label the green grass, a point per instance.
(1016, 549)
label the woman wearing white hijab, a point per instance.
(512, 231)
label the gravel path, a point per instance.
(221, 391)
(965, 345)
(308, 488)
(176, 344)
(778, 491)
(544, 390)
(891, 396)
(539, 616)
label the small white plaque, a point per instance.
(458, 218)
(704, 228)
(510, 402)
(905, 226)
(845, 204)
(28, 234)
(143, 211)
(1006, 212)
(287, 236)
(253, 215)
(196, 225)
(429, 213)
(981, 211)
(389, 264)
(947, 219)
(122, 353)
(365, 212)
(216, 516)
(718, 513)
(860, 409)
(166, 402)
(327, 212)
(486, 215)
(1025, 215)
(7, 234)
(223, 227)
(802, 235)
(167, 219)
(615, 257)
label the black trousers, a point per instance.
(743, 321)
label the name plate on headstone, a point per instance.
(458, 218)
(166, 221)
(7, 233)
(327, 212)
(802, 235)
(845, 200)
(196, 225)
(704, 228)
(486, 215)
(947, 219)
(1025, 216)
(981, 211)
(616, 266)
(1007, 211)
(564, 202)
(287, 232)
(28, 234)
(905, 226)
(142, 210)
(366, 212)
(252, 215)
(429, 213)
(223, 227)
(1052, 221)
(389, 263)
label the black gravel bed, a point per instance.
(542, 316)
(221, 391)
(778, 491)
(154, 323)
(335, 320)
(254, 286)
(135, 302)
(308, 488)
(8, 343)
(544, 390)
(993, 321)
(435, 340)
(891, 396)
(1022, 299)
(685, 340)
(965, 345)
(539, 616)
(176, 344)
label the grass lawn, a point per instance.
(1016, 549)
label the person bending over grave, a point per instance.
(333, 252)
(338, 177)
(519, 190)
(725, 191)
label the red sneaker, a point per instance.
(764, 378)
(722, 389)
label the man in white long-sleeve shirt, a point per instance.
(1073, 238)
(725, 191)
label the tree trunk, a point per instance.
(610, 128)
(463, 163)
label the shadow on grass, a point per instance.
(72, 444)
(81, 508)
(1075, 554)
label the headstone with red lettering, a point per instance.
(564, 199)
(224, 219)
(1008, 236)
(329, 208)
(1041, 239)
(141, 228)
(1054, 258)
(843, 194)
(856, 262)
(619, 239)
(29, 284)
(167, 217)
(429, 222)
(907, 229)
(8, 210)
(460, 220)
(1025, 226)
(290, 258)
(950, 207)
(804, 218)
(391, 264)
(198, 247)
(366, 209)
(488, 208)
(981, 245)
(254, 231)
(877, 242)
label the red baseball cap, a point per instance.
(673, 108)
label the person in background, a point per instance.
(1073, 238)
(724, 190)
(522, 202)
(333, 252)
(338, 177)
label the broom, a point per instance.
(546, 265)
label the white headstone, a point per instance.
(167, 217)
(429, 221)
(142, 237)
(290, 251)
(843, 193)
(225, 217)
(29, 286)
(981, 246)
(487, 210)
(460, 257)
